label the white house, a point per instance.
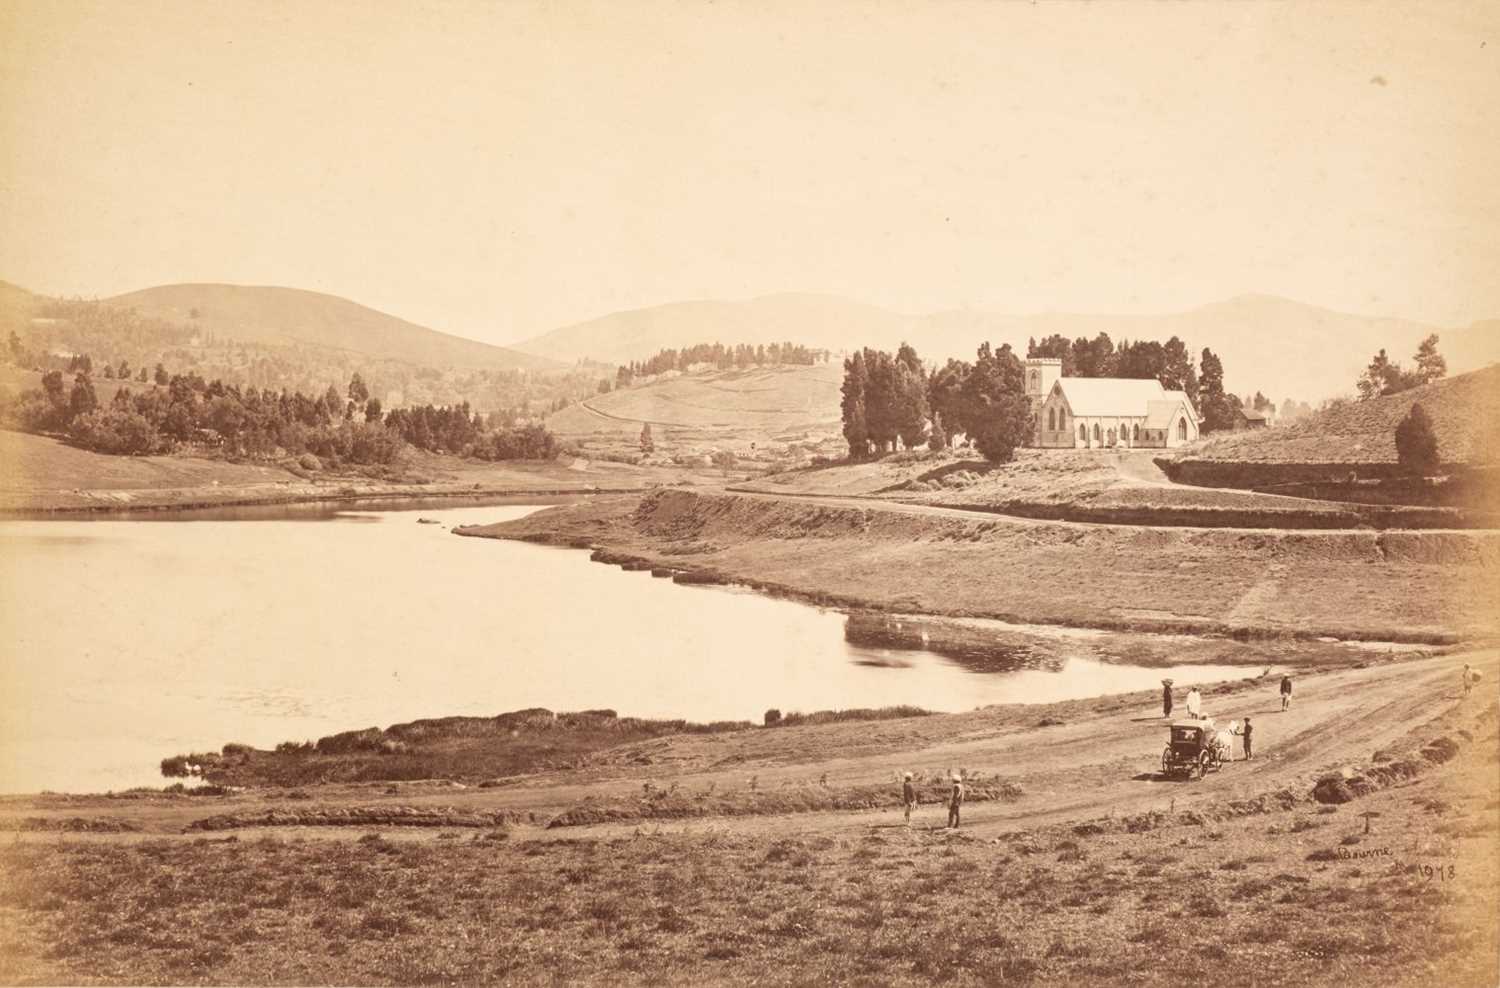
(1105, 412)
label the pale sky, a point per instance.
(496, 170)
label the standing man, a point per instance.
(1468, 679)
(955, 800)
(1166, 698)
(1248, 755)
(1286, 693)
(908, 796)
(1195, 703)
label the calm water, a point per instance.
(127, 641)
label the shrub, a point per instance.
(773, 716)
(308, 461)
(1416, 443)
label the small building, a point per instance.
(1249, 418)
(1105, 412)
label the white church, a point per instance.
(1105, 412)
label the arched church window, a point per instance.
(1135, 433)
(1083, 433)
(1051, 420)
(1098, 435)
(1182, 428)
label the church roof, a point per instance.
(1182, 397)
(1110, 395)
(1159, 414)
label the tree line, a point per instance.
(718, 355)
(889, 397)
(185, 410)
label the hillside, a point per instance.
(1463, 411)
(764, 401)
(293, 316)
(1316, 353)
(813, 320)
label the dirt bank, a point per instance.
(1430, 587)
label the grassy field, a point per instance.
(464, 749)
(776, 409)
(1396, 886)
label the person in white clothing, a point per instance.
(1195, 704)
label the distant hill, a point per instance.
(823, 321)
(1463, 410)
(293, 316)
(1283, 348)
(762, 401)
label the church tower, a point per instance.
(1041, 374)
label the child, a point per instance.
(955, 800)
(1246, 732)
(908, 797)
(1286, 692)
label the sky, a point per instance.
(497, 170)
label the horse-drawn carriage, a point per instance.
(1192, 746)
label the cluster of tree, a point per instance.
(1385, 376)
(1170, 363)
(716, 355)
(184, 410)
(46, 337)
(890, 397)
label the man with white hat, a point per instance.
(955, 800)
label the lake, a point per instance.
(128, 641)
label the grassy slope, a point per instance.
(41, 473)
(1229, 892)
(1463, 410)
(765, 402)
(919, 560)
(41, 463)
(281, 315)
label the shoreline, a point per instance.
(780, 547)
(340, 497)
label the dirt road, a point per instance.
(1101, 759)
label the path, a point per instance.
(1101, 761)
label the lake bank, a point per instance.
(47, 478)
(1412, 587)
(406, 622)
(681, 858)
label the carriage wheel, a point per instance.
(1215, 760)
(1166, 760)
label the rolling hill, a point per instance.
(293, 316)
(1463, 411)
(1280, 347)
(762, 401)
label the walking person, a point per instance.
(1286, 693)
(1166, 698)
(1468, 679)
(955, 800)
(908, 796)
(1246, 732)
